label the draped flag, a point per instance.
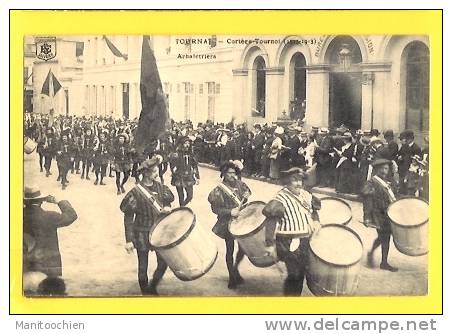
(114, 49)
(154, 115)
(51, 85)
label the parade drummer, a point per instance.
(377, 194)
(293, 211)
(225, 201)
(142, 206)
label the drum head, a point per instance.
(334, 211)
(410, 211)
(337, 244)
(249, 219)
(172, 228)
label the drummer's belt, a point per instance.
(230, 193)
(151, 198)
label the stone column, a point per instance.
(273, 83)
(317, 95)
(374, 97)
(367, 96)
(239, 95)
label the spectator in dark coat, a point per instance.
(42, 226)
(406, 153)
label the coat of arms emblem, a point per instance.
(45, 48)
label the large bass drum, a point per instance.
(335, 253)
(185, 246)
(249, 231)
(334, 211)
(409, 225)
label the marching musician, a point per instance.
(101, 157)
(65, 159)
(184, 170)
(226, 200)
(122, 161)
(293, 210)
(142, 206)
(378, 193)
(48, 149)
(87, 153)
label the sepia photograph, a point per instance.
(226, 165)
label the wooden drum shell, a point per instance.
(411, 240)
(330, 279)
(192, 255)
(253, 244)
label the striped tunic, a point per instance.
(298, 211)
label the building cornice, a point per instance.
(274, 70)
(376, 67)
(239, 72)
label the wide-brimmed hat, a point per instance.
(407, 134)
(324, 130)
(235, 165)
(183, 139)
(33, 193)
(380, 162)
(124, 135)
(293, 171)
(388, 134)
(150, 163)
(375, 140)
(364, 140)
(279, 130)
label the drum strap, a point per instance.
(230, 193)
(386, 187)
(151, 198)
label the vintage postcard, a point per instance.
(227, 165)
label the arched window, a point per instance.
(297, 73)
(345, 82)
(259, 86)
(417, 86)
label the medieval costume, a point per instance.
(184, 170)
(87, 153)
(226, 200)
(65, 159)
(122, 161)
(142, 207)
(101, 158)
(377, 194)
(292, 210)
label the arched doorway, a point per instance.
(345, 85)
(259, 86)
(297, 86)
(417, 62)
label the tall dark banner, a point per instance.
(154, 114)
